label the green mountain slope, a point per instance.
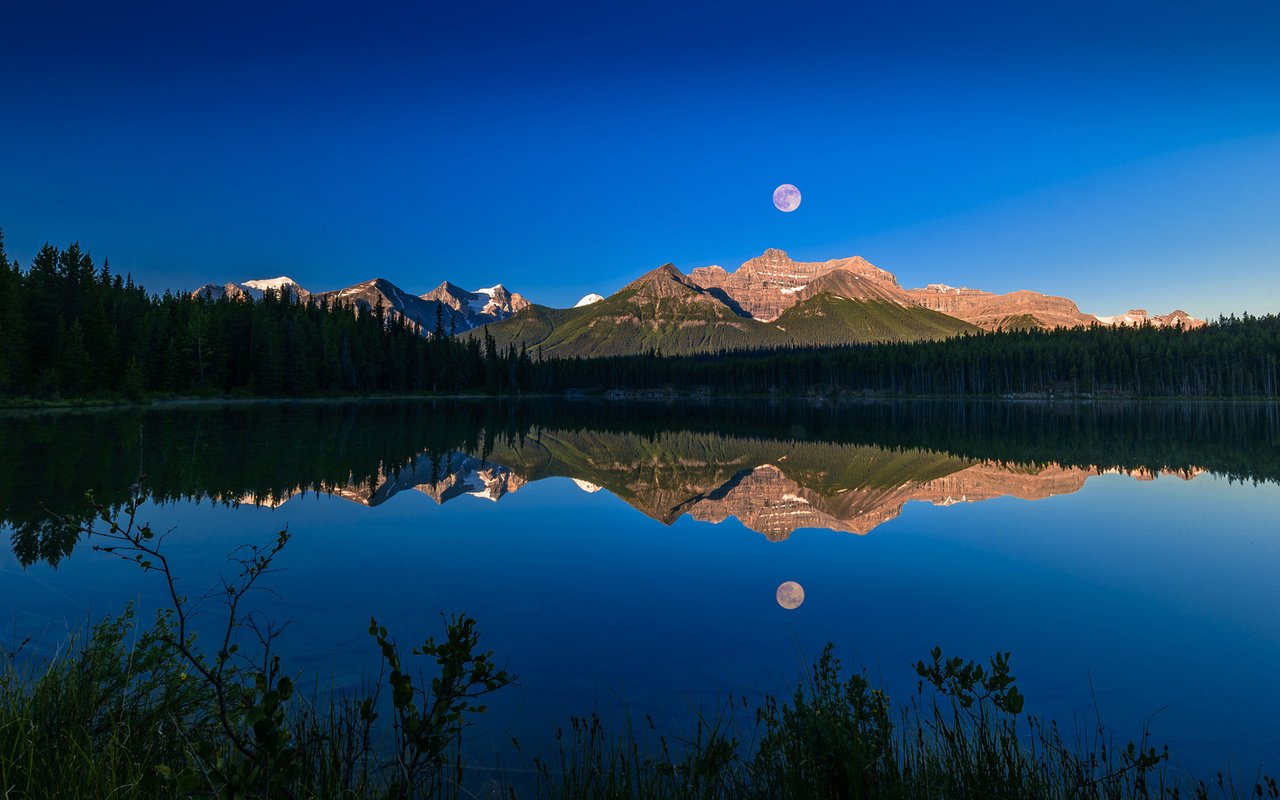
(532, 324)
(1021, 322)
(662, 310)
(827, 318)
(665, 311)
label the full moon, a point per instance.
(786, 197)
(790, 595)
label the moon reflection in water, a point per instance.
(790, 595)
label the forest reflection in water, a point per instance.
(775, 467)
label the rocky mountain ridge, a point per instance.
(771, 300)
(990, 311)
(765, 286)
(459, 309)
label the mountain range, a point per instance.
(460, 310)
(768, 301)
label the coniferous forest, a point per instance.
(70, 329)
(1235, 357)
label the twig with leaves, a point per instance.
(261, 749)
(249, 707)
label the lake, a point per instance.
(627, 557)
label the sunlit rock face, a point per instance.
(1027, 309)
(1177, 318)
(990, 311)
(477, 308)
(1139, 316)
(665, 282)
(772, 282)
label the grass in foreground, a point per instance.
(121, 715)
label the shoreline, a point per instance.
(31, 406)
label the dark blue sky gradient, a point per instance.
(1122, 153)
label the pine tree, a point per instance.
(73, 362)
(12, 332)
(133, 383)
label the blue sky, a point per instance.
(1122, 153)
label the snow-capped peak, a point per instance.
(486, 298)
(588, 300)
(271, 283)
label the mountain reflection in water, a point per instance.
(773, 488)
(776, 467)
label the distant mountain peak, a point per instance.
(588, 300)
(481, 307)
(272, 283)
(666, 272)
(1139, 316)
(252, 290)
(665, 280)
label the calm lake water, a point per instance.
(629, 556)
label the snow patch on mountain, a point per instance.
(588, 300)
(272, 283)
(252, 290)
